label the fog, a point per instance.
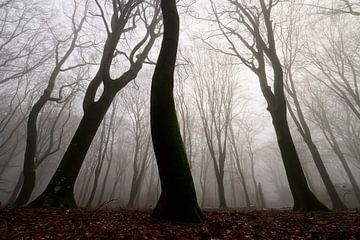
(57, 47)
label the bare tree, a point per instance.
(291, 48)
(137, 108)
(237, 153)
(178, 197)
(214, 95)
(338, 7)
(32, 134)
(127, 17)
(21, 39)
(258, 38)
(336, 64)
(320, 113)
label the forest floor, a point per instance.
(25, 223)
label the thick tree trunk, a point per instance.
(178, 198)
(304, 199)
(59, 192)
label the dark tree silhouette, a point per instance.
(32, 134)
(126, 16)
(178, 198)
(262, 48)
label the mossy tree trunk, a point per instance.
(178, 198)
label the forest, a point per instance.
(141, 119)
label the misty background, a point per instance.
(221, 110)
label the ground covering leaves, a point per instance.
(27, 223)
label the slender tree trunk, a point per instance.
(334, 196)
(134, 186)
(257, 196)
(94, 187)
(30, 152)
(59, 192)
(348, 172)
(336, 148)
(304, 199)
(16, 189)
(178, 197)
(261, 196)
(221, 189)
(306, 134)
(246, 192)
(103, 186)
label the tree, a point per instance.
(214, 99)
(262, 48)
(137, 107)
(339, 7)
(32, 134)
(237, 156)
(336, 64)
(21, 39)
(178, 198)
(320, 114)
(291, 50)
(126, 17)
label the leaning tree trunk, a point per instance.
(178, 198)
(306, 134)
(59, 192)
(304, 199)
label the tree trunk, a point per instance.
(246, 192)
(220, 183)
(304, 199)
(103, 185)
(16, 189)
(334, 196)
(59, 192)
(261, 196)
(30, 150)
(343, 161)
(178, 198)
(306, 134)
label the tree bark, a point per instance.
(304, 130)
(178, 198)
(304, 199)
(59, 192)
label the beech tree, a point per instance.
(291, 47)
(32, 134)
(214, 93)
(260, 43)
(321, 113)
(126, 17)
(178, 198)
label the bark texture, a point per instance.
(178, 198)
